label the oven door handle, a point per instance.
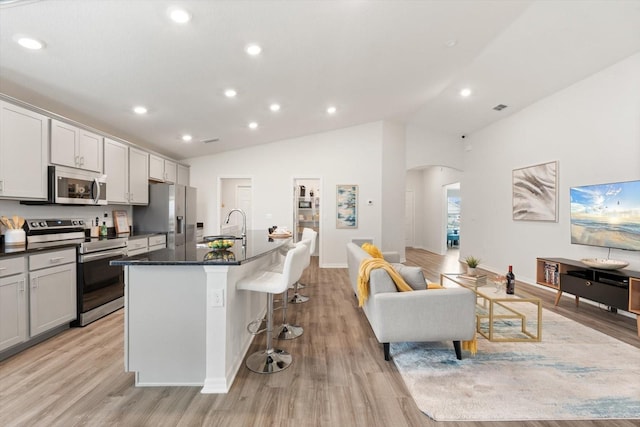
(101, 255)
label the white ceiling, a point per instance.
(373, 60)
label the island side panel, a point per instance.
(165, 325)
(227, 337)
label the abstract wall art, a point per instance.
(346, 206)
(535, 192)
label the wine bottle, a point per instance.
(511, 281)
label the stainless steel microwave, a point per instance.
(77, 187)
(68, 186)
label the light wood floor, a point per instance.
(338, 378)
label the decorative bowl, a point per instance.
(220, 255)
(221, 244)
(604, 263)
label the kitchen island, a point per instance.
(185, 322)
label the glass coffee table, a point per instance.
(501, 317)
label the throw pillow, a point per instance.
(372, 250)
(412, 275)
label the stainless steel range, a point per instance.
(100, 285)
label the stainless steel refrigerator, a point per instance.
(171, 210)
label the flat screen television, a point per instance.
(606, 215)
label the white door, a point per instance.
(409, 219)
(243, 201)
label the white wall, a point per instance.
(392, 202)
(428, 148)
(591, 128)
(428, 185)
(347, 156)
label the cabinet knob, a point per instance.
(587, 283)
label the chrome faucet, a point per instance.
(244, 224)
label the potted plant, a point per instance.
(472, 263)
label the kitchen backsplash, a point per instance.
(87, 213)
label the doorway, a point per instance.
(453, 216)
(306, 208)
(234, 193)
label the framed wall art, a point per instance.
(346, 206)
(121, 221)
(535, 192)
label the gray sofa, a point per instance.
(421, 315)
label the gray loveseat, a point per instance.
(424, 315)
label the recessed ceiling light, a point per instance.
(29, 43)
(187, 138)
(254, 49)
(274, 107)
(332, 110)
(465, 92)
(230, 93)
(140, 109)
(253, 125)
(179, 16)
(451, 43)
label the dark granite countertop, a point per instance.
(7, 251)
(258, 244)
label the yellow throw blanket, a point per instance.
(363, 277)
(372, 250)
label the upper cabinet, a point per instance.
(170, 171)
(138, 177)
(156, 168)
(162, 170)
(75, 147)
(116, 167)
(127, 173)
(183, 175)
(24, 137)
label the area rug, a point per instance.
(574, 373)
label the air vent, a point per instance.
(208, 141)
(499, 107)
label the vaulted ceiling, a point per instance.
(371, 60)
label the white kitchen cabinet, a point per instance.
(127, 173)
(116, 167)
(13, 302)
(137, 245)
(24, 151)
(156, 168)
(138, 177)
(170, 171)
(162, 170)
(52, 298)
(183, 175)
(157, 242)
(75, 147)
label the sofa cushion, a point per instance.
(412, 275)
(380, 281)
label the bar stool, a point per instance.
(308, 236)
(271, 359)
(286, 331)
